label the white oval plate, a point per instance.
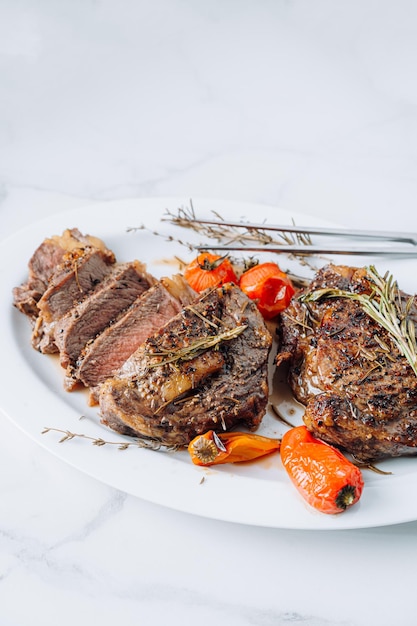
(32, 395)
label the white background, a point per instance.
(308, 105)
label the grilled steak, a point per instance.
(105, 354)
(42, 265)
(114, 325)
(160, 395)
(360, 392)
(113, 295)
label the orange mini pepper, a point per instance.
(213, 448)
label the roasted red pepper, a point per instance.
(325, 478)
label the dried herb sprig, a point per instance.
(136, 442)
(385, 306)
(168, 238)
(371, 468)
(224, 234)
(185, 218)
(195, 348)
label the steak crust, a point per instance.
(359, 390)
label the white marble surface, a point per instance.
(309, 105)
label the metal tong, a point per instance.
(407, 249)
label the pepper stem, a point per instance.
(346, 497)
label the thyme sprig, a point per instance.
(136, 442)
(222, 233)
(384, 305)
(168, 238)
(195, 348)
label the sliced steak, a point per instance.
(113, 295)
(359, 390)
(104, 356)
(158, 395)
(42, 265)
(79, 273)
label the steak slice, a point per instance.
(103, 357)
(43, 264)
(359, 390)
(79, 273)
(113, 295)
(175, 400)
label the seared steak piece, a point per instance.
(160, 395)
(43, 264)
(113, 295)
(105, 354)
(360, 392)
(74, 279)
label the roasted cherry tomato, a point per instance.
(209, 270)
(325, 478)
(269, 286)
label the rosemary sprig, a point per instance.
(385, 306)
(195, 348)
(136, 442)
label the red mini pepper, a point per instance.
(325, 478)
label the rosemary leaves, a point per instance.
(385, 305)
(195, 348)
